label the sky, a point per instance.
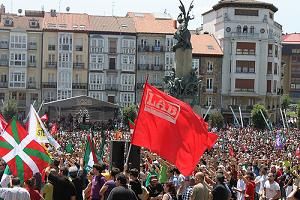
(287, 14)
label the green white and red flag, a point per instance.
(131, 125)
(3, 123)
(90, 156)
(22, 153)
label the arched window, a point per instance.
(238, 29)
(245, 29)
(252, 29)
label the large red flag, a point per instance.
(170, 128)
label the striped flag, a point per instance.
(131, 125)
(5, 177)
(22, 153)
(90, 156)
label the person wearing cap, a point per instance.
(155, 189)
(122, 191)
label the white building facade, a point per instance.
(251, 42)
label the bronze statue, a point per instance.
(183, 35)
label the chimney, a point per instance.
(53, 13)
(2, 9)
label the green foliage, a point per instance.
(129, 112)
(10, 109)
(286, 101)
(216, 120)
(257, 118)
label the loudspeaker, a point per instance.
(134, 159)
(117, 154)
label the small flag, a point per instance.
(231, 151)
(5, 177)
(298, 152)
(90, 157)
(131, 125)
(44, 118)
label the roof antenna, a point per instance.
(112, 8)
(11, 6)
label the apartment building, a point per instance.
(207, 61)
(65, 53)
(20, 59)
(112, 62)
(251, 41)
(155, 58)
(291, 65)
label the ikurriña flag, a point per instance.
(22, 153)
(90, 156)
(170, 128)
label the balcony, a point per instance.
(3, 45)
(79, 86)
(51, 64)
(112, 87)
(156, 67)
(126, 50)
(157, 49)
(112, 50)
(3, 62)
(78, 65)
(21, 103)
(31, 85)
(31, 64)
(49, 84)
(143, 66)
(78, 48)
(143, 48)
(3, 84)
(32, 46)
(245, 35)
(96, 49)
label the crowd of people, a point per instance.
(244, 164)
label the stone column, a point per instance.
(183, 62)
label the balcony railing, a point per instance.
(78, 65)
(245, 35)
(157, 49)
(156, 67)
(49, 84)
(244, 90)
(31, 64)
(3, 84)
(96, 49)
(51, 64)
(3, 45)
(112, 87)
(3, 62)
(31, 85)
(79, 86)
(112, 50)
(143, 48)
(32, 46)
(143, 66)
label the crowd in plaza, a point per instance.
(244, 164)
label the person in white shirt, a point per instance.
(240, 187)
(271, 188)
(16, 192)
(262, 180)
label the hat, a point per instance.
(73, 169)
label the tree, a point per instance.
(129, 112)
(257, 118)
(286, 101)
(10, 109)
(216, 120)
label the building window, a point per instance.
(210, 66)
(128, 46)
(18, 59)
(65, 42)
(269, 86)
(51, 47)
(18, 41)
(270, 50)
(245, 29)
(78, 44)
(270, 67)
(271, 15)
(112, 63)
(209, 84)
(209, 101)
(128, 62)
(96, 81)
(251, 101)
(126, 99)
(246, 12)
(245, 48)
(127, 82)
(97, 95)
(275, 86)
(275, 69)
(97, 45)
(112, 46)
(239, 29)
(2, 96)
(32, 59)
(244, 66)
(276, 51)
(156, 60)
(244, 85)
(195, 64)
(96, 62)
(64, 94)
(252, 29)
(17, 80)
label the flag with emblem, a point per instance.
(37, 129)
(22, 153)
(90, 156)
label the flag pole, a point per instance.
(234, 116)
(241, 117)
(282, 118)
(286, 121)
(207, 112)
(29, 111)
(40, 107)
(265, 119)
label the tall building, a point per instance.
(251, 42)
(65, 55)
(155, 58)
(291, 63)
(207, 61)
(112, 59)
(20, 58)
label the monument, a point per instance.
(183, 82)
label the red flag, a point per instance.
(231, 151)
(298, 152)
(44, 117)
(53, 129)
(212, 138)
(170, 128)
(3, 123)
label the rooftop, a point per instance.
(293, 38)
(25, 23)
(205, 44)
(112, 24)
